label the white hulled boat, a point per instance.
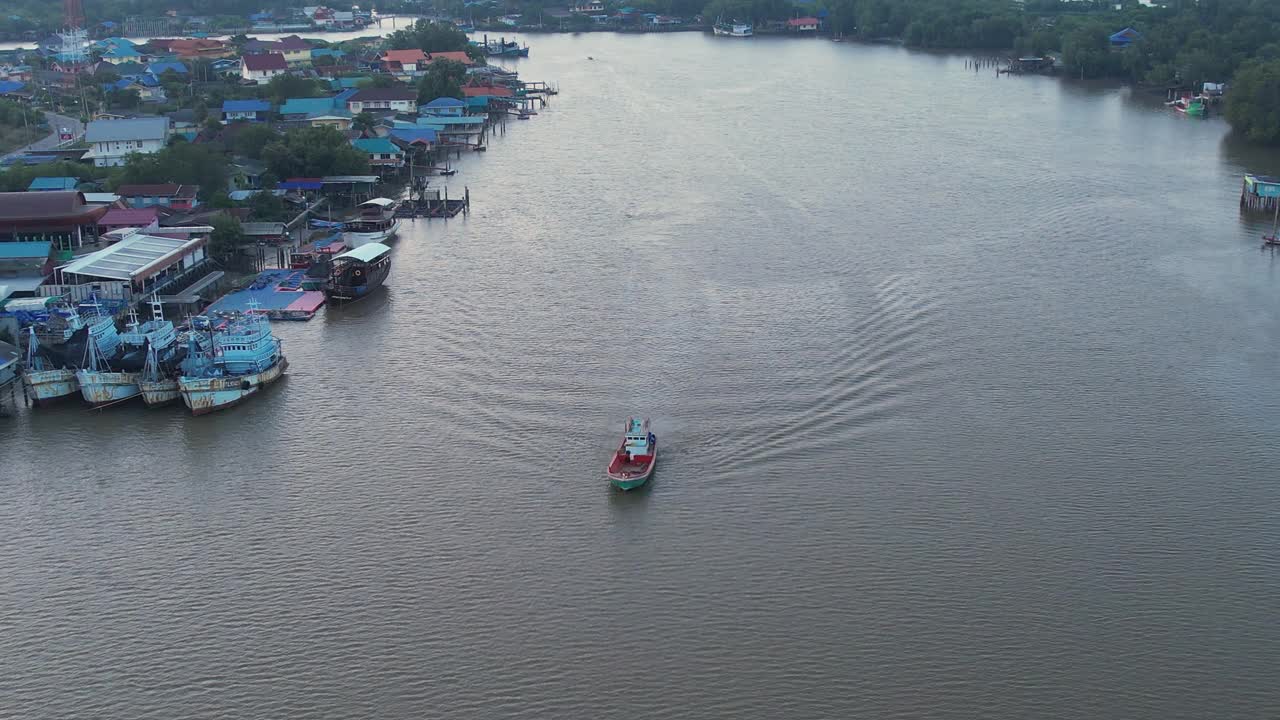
(376, 223)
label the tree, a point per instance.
(212, 126)
(251, 140)
(126, 99)
(180, 162)
(1086, 51)
(443, 78)
(429, 37)
(18, 177)
(1253, 105)
(226, 238)
(379, 81)
(364, 122)
(283, 87)
(314, 152)
(265, 207)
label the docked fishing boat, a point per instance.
(733, 29)
(45, 375)
(1190, 105)
(240, 357)
(633, 462)
(102, 384)
(156, 342)
(376, 223)
(358, 272)
(503, 48)
(158, 385)
(157, 334)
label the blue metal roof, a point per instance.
(414, 135)
(53, 183)
(375, 145)
(17, 250)
(445, 102)
(160, 68)
(8, 86)
(245, 106)
(299, 185)
(307, 106)
(121, 51)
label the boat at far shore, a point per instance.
(733, 29)
(633, 462)
(1190, 105)
(376, 223)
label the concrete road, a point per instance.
(52, 140)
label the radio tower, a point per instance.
(73, 14)
(75, 39)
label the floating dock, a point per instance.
(277, 293)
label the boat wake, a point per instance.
(872, 376)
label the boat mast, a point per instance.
(91, 353)
(151, 370)
(32, 345)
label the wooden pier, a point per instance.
(436, 204)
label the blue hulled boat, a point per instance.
(100, 383)
(237, 359)
(45, 376)
(154, 344)
(57, 343)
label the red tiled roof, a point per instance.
(131, 217)
(493, 90)
(57, 208)
(458, 56)
(404, 56)
(265, 61)
(185, 46)
(795, 22)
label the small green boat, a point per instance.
(633, 462)
(1191, 106)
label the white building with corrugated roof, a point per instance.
(112, 141)
(138, 263)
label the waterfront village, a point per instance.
(219, 185)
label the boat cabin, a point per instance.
(637, 444)
(376, 209)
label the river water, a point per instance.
(965, 388)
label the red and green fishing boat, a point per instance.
(633, 462)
